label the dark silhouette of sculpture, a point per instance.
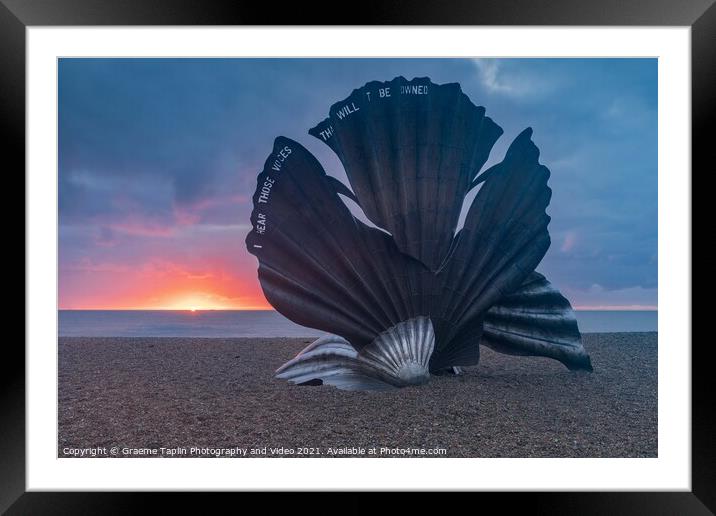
(415, 297)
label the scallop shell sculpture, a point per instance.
(414, 297)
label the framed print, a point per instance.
(438, 249)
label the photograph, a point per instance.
(384, 257)
(456, 238)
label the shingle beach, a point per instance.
(191, 397)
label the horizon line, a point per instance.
(601, 308)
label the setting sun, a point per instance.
(194, 301)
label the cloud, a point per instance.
(496, 77)
(106, 237)
(154, 137)
(628, 114)
(570, 238)
(491, 80)
(596, 297)
(88, 264)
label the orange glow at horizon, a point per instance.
(194, 301)
(161, 285)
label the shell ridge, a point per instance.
(390, 354)
(553, 332)
(493, 268)
(494, 233)
(338, 249)
(334, 362)
(343, 292)
(359, 331)
(489, 288)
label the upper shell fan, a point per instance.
(411, 150)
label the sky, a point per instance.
(158, 161)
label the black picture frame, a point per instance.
(17, 15)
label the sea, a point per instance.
(268, 323)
